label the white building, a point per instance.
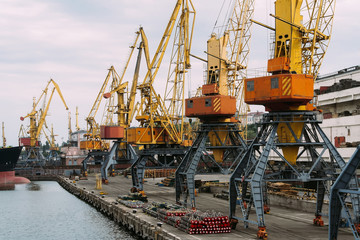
(339, 99)
(254, 117)
(72, 154)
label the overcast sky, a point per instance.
(76, 41)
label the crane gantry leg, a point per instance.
(231, 146)
(109, 161)
(33, 157)
(339, 192)
(254, 169)
(155, 158)
(111, 158)
(98, 158)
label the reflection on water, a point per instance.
(7, 186)
(52, 213)
(33, 186)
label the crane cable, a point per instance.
(228, 15)
(217, 19)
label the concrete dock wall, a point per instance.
(118, 213)
(296, 204)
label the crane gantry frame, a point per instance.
(291, 124)
(217, 106)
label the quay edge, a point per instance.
(122, 215)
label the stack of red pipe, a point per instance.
(205, 223)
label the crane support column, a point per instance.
(229, 144)
(339, 191)
(109, 162)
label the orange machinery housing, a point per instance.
(279, 91)
(142, 135)
(92, 145)
(210, 105)
(106, 132)
(112, 132)
(25, 141)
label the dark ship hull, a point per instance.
(8, 159)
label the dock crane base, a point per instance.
(166, 158)
(32, 156)
(111, 159)
(98, 158)
(107, 159)
(254, 170)
(232, 145)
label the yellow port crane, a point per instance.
(37, 118)
(3, 135)
(77, 127)
(93, 140)
(216, 106)
(290, 132)
(161, 118)
(157, 121)
(120, 102)
(97, 146)
(125, 109)
(50, 137)
(69, 126)
(77, 120)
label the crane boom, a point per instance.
(44, 113)
(318, 21)
(93, 140)
(126, 113)
(179, 63)
(95, 107)
(156, 62)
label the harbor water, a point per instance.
(47, 211)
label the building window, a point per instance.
(208, 102)
(250, 86)
(75, 162)
(190, 104)
(274, 83)
(70, 162)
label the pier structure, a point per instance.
(289, 218)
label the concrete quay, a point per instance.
(282, 223)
